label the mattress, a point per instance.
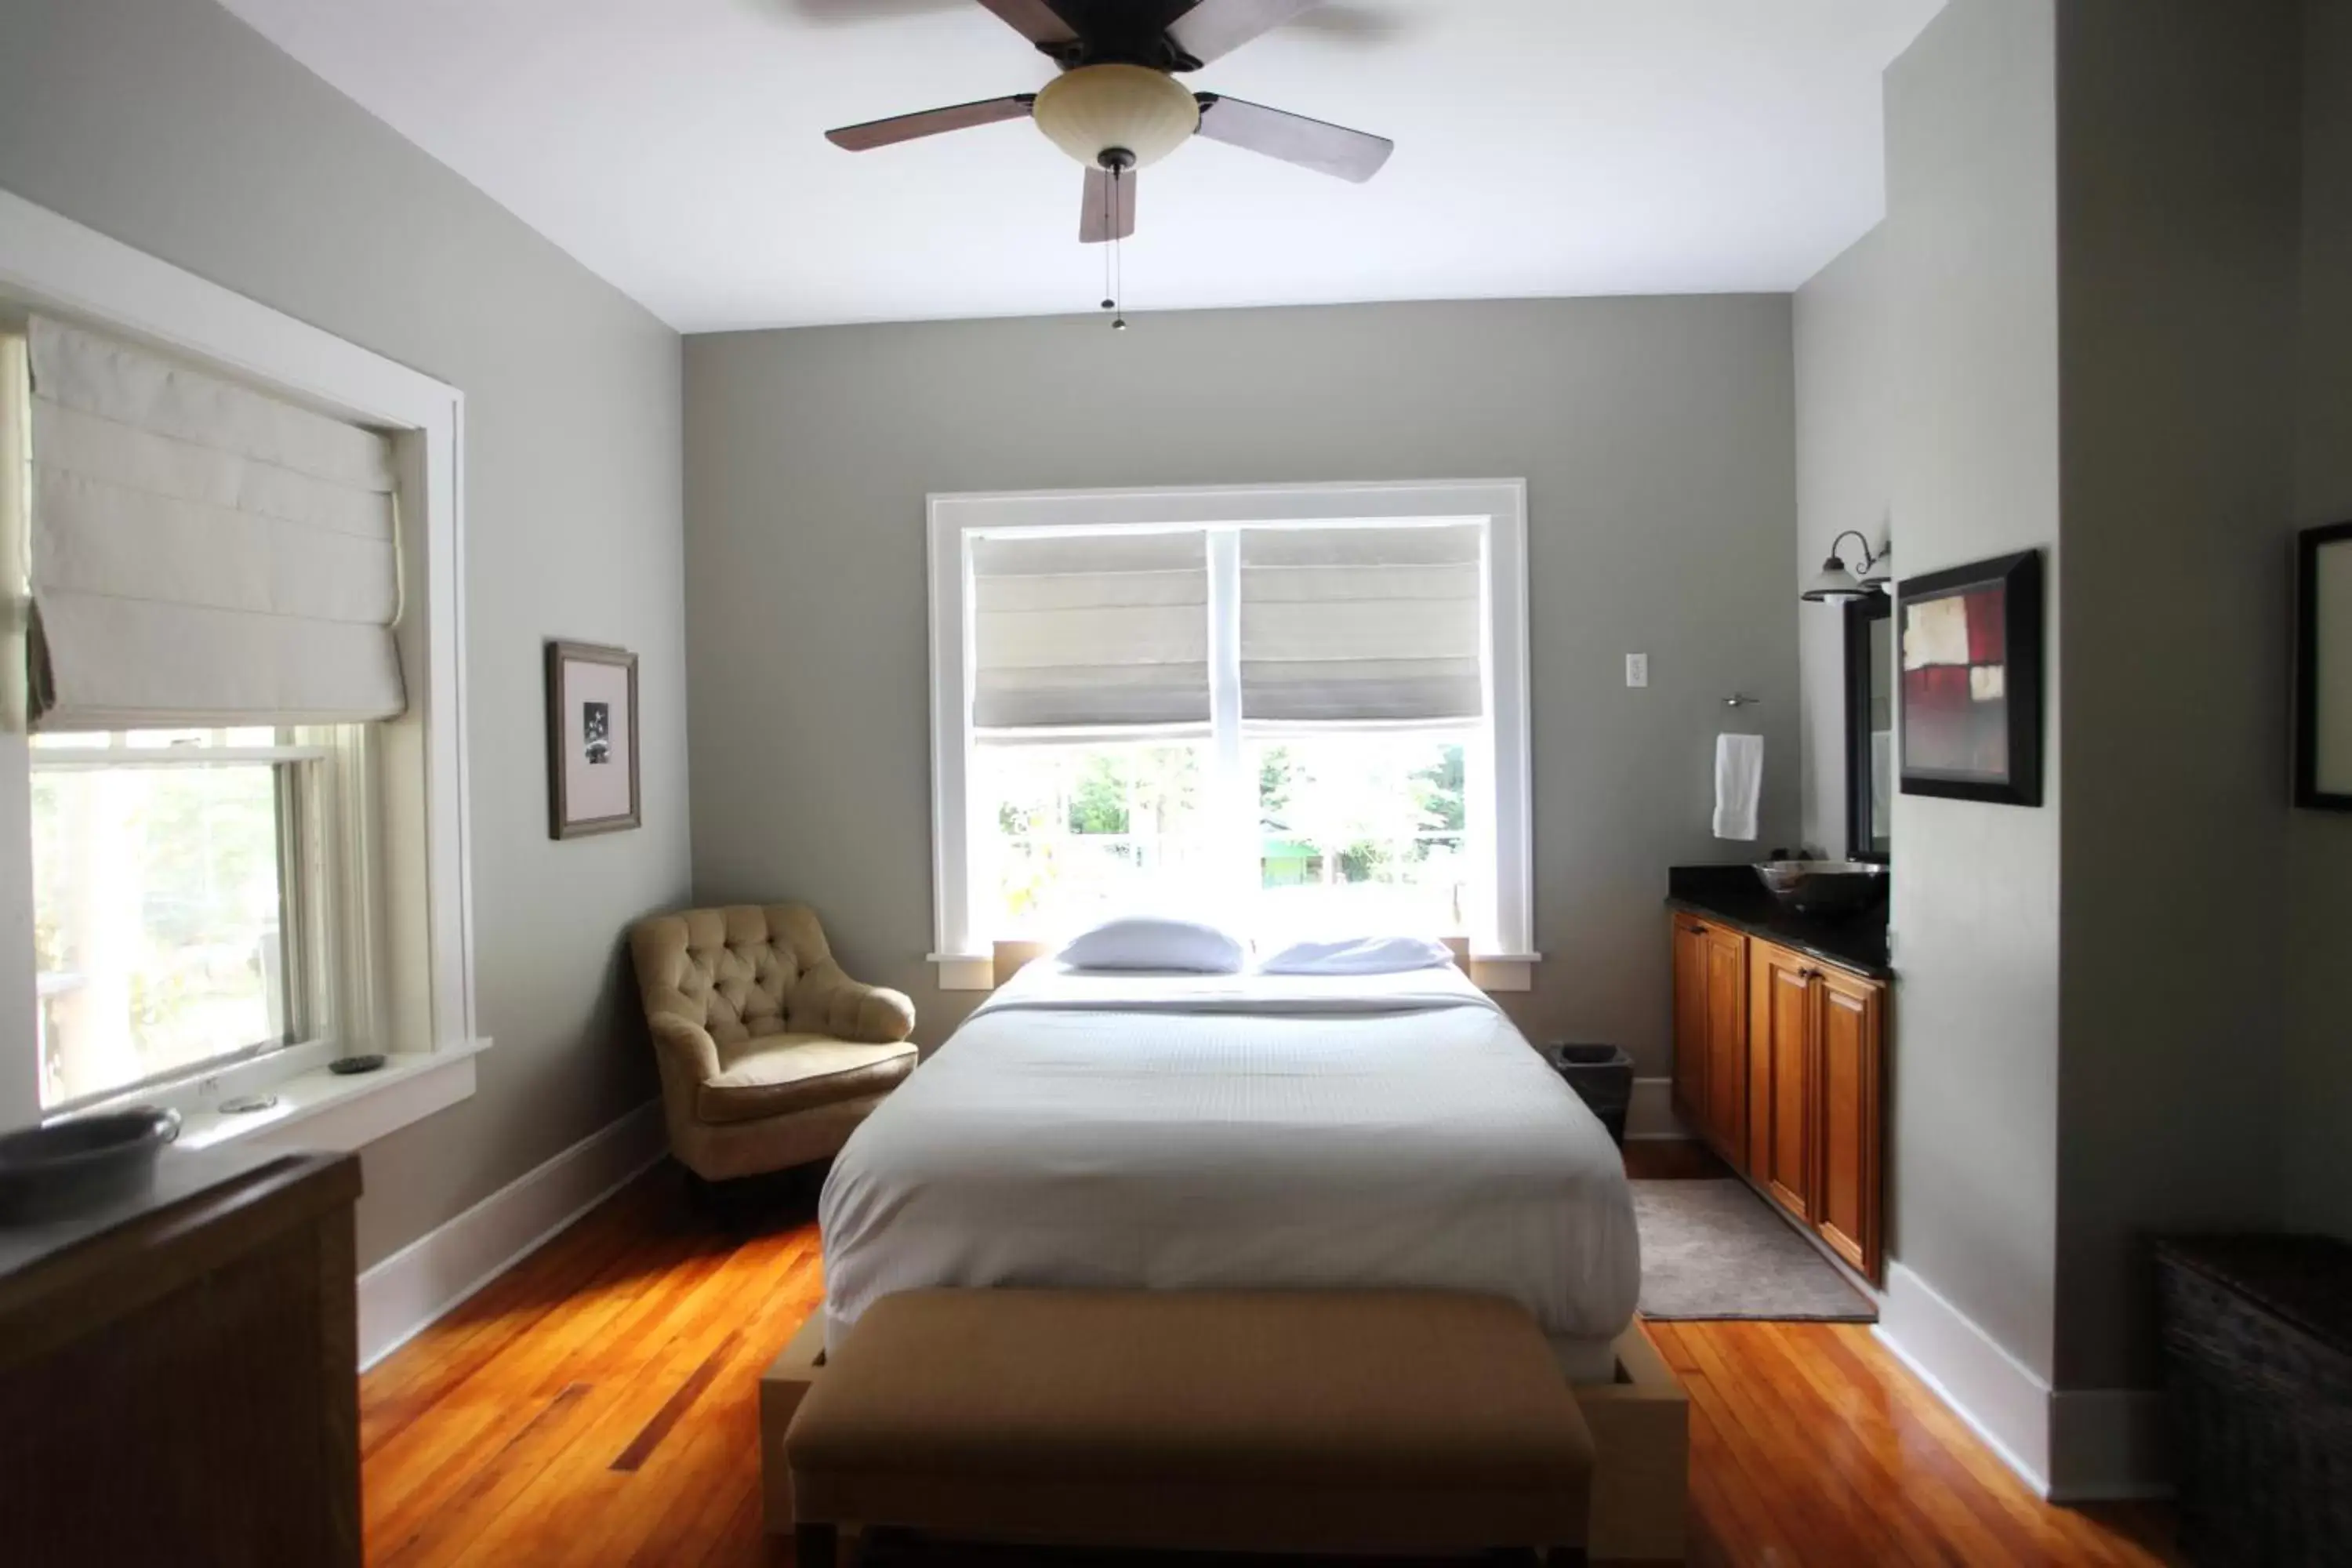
(1234, 1132)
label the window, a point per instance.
(182, 881)
(1079, 829)
(1364, 831)
(231, 702)
(1302, 723)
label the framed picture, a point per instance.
(2323, 669)
(1970, 654)
(592, 740)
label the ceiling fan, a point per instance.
(1118, 106)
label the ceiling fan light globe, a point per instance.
(1097, 109)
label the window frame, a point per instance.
(1502, 943)
(424, 988)
(332, 932)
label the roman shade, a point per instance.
(201, 553)
(1361, 625)
(1074, 631)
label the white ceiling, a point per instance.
(1544, 147)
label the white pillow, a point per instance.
(1144, 944)
(1360, 955)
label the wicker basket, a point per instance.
(2258, 1382)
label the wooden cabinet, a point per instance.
(1847, 1060)
(1690, 1019)
(1779, 1064)
(178, 1380)
(1726, 1041)
(1711, 1031)
(1781, 1036)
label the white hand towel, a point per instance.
(1738, 785)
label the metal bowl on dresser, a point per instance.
(81, 1163)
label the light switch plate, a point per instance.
(1637, 669)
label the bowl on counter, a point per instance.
(1825, 887)
(82, 1162)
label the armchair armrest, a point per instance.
(687, 1045)
(827, 1002)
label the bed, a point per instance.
(1164, 1132)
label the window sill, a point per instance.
(318, 1110)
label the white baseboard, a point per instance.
(1650, 1112)
(2107, 1445)
(409, 1289)
(2005, 1401)
(2070, 1445)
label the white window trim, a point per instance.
(1502, 957)
(50, 263)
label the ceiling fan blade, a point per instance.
(932, 123)
(1034, 20)
(1217, 27)
(1109, 210)
(1329, 149)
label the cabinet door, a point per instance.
(1852, 1031)
(1781, 1048)
(1726, 1043)
(1690, 1017)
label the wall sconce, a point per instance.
(1839, 585)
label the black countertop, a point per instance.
(1732, 896)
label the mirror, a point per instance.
(1870, 728)
(2323, 757)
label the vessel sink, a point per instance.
(1825, 887)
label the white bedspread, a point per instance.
(1236, 1132)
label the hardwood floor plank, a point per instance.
(1808, 1443)
(1914, 1479)
(639, 1334)
(479, 1491)
(649, 1437)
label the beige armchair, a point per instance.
(769, 1055)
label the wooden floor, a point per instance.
(597, 1405)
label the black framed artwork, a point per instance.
(2323, 669)
(1971, 654)
(592, 740)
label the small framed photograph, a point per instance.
(2323, 669)
(592, 740)
(1970, 654)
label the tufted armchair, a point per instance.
(769, 1055)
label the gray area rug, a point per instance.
(1714, 1249)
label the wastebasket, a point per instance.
(1603, 1076)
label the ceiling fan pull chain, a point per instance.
(1118, 257)
(1110, 203)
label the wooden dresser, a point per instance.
(178, 1379)
(1780, 1063)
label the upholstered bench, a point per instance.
(1406, 1422)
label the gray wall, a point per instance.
(1656, 438)
(171, 126)
(2318, 1088)
(1971, 242)
(1845, 455)
(2178, 187)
